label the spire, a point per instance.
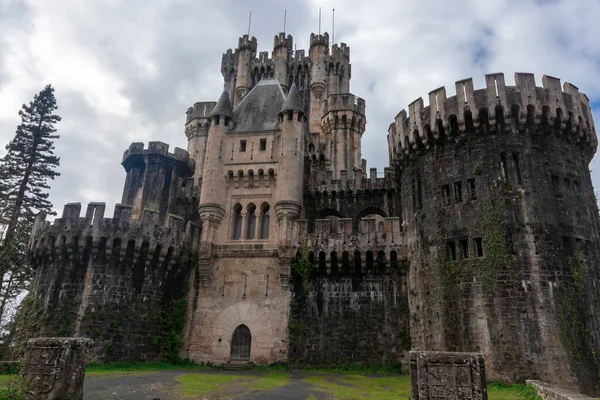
(223, 106)
(292, 102)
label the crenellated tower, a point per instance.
(318, 53)
(196, 132)
(154, 178)
(282, 55)
(245, 54)
(502, 227)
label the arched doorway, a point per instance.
(240, 344)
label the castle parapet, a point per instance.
(358, 181)
(319, 40)
(505, 108)
(340, 52)
(200, 110)
(245, 43)
(115, 234)
(344, 102)
(179, 157)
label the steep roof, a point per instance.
(259, 110)
(223, 106)
(292, 102)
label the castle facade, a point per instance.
(268, 240)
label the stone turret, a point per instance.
(196, 131)
(154, 177)
(344, 124)
(211, 208)
(319, 50)
(281, 57)
(291, 165)
(502, 227)
(246, 52)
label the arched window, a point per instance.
(237, 222)
(380, 228)
(265, 221)
(251, 221)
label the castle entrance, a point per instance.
(240, 344)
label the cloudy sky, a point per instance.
(127, 70)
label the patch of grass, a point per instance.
(221, 386)
(356, 369)
(270, 381)
(121, 366)
(501, 391)
(196, 385)
(362, 387)
(4, 378)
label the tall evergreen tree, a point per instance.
(24, 174)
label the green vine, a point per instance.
(496, 253)
(571, 294)
(302, 267)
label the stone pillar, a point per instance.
(441, 374)
(55, 368)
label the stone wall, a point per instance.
(244, 289)
(502, 231)
(350, 319)
(112, 280)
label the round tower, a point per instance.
(502, 227)
(154, 177)
(196, 131)
(344, 123)
(290, 175)
(281, 57)
(246, 52)
(319, 50)
(211, 208)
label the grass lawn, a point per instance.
(338, 386)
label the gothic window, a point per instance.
(380, 228)
(237, 221)
(265, 222)
(251, 221)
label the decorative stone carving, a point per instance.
(439, 375)
(55, 368)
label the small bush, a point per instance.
(15, 389)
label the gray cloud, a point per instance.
(127, 71)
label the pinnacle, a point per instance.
(223, 106)
(292, 102)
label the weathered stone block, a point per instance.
(441, 375)
(55, 368)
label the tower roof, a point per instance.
(223, 106)
(292, 102)
(259, 109)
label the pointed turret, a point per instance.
(223, 106)
(292, 102)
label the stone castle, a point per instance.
(268, 240)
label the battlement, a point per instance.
(118, 233)
(344, 102)
(340, 52)
(200, 110)
(319, 40)
(281, 40)
(499, 106)
(322, 182)
(245, 43)
(136, 150)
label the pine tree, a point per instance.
(24, 173)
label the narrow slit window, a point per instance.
(554, 182)
(567, 182)
(458, 192)
(263, 144)
(472, 189)
(451, 249)
(478, 242)
(568, 246)
(419, 194)
(242, 146)
(503, 167)
(464, 248)
(446, 194)
(517, 168)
